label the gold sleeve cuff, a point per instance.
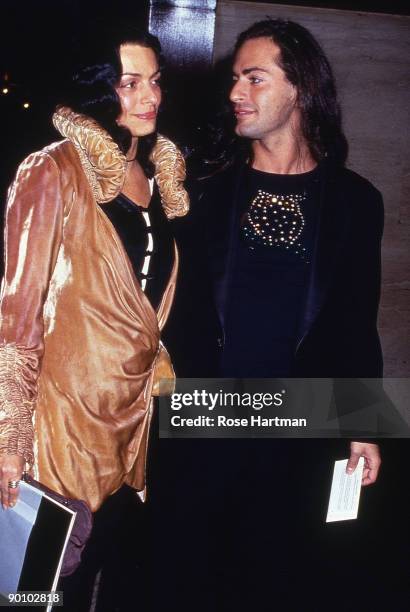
(18, 370)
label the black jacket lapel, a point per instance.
(331, 234)
(223, 232)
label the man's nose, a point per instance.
(237, 92)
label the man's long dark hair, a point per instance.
(95, 72)
(307, 68)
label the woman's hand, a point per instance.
(11, 468)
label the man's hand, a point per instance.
(372, 461)
(11, 468)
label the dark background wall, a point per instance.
(35, 43)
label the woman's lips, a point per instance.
(146, 116)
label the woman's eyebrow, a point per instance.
(137, 74)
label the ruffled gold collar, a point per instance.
(104, 163)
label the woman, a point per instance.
(90, 273)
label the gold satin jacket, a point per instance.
(78, 337)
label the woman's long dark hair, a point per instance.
(95, 72)
(307, 68)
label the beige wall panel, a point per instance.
(369, 54)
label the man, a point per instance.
(288, 239)
(287, 245)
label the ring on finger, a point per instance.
(13, 484)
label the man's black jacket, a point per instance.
(338, 335)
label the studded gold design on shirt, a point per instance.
(275, 221)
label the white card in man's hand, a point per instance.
(345, 492)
